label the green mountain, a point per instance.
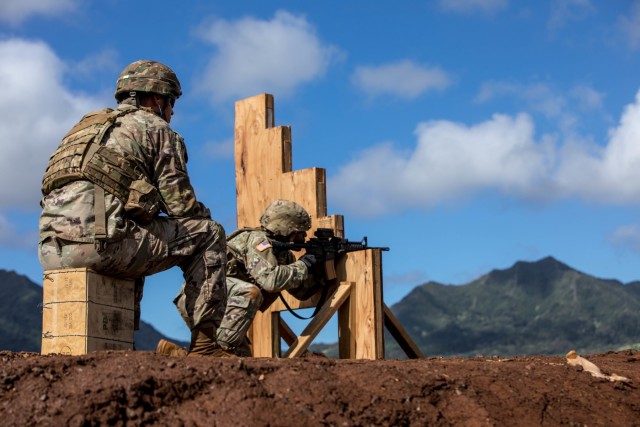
(634, 287)
(543, 307)
(21, 318)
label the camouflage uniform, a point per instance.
(186, 237)
(255, 266)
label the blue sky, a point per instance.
(464, 134)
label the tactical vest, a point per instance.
(83, 155)
(80, 155)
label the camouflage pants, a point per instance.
(243, 300)
(196, 245)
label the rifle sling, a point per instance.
(321, 301)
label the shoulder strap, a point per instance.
(242, 230)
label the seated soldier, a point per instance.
(117, 198)
(255, 266)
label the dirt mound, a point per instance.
(142, 388)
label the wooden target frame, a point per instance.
(263, 161)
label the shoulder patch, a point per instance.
(263, 246)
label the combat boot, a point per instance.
(203, 343)
(241, 350)
(170, 349)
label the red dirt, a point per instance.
(142, 388)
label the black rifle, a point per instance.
(325, 247)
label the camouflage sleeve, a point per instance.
(172, 177)
(271, 273)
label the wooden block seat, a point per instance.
(84, 311)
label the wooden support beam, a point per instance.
(401, 336)
(365, 318)
(286, 333)
(322, 317)
(264, 334)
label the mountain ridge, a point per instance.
(543, 307)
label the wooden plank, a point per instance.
(275, 334)
(315, 326)
(264, 171)
(87, 319)
(259, 156)
(364, 268)
(346, 339)
(262, 334)
(286, 333)
(399, 333)
(75, 346)
(335, 222)
(84, 284)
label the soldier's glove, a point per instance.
(306, 289)
(308, 259)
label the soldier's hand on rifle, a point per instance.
(309, 260)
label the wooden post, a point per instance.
(263, 161)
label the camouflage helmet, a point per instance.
(147, 76)
(284, 217)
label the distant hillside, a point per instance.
(543, 307)
(21, 319)
(634, 287)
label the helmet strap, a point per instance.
(160, 108)
(134, 95)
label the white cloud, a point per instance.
(16, 11)
(564, 11)
(219, 150)
(630, 25)
(451, 161)
(256, 56)
(404, 79)
(606, 174)
(466, 6)
(106, 60)
(587, 97)
(626, 236)
(36, 110)
(541, 98)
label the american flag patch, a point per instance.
(264, 245)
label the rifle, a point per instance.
(326, 246)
